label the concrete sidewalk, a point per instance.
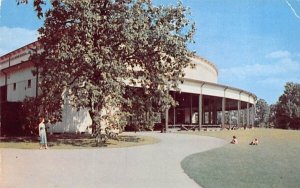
(156, 165)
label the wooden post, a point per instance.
(252, 114)
(248, 115)
(191, 108)
(200, 112)
(223, 111)
(167, 119)
(239, 113)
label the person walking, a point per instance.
(42, 134)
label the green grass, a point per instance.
(275, 162)
(73, 141)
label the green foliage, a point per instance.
(93, 49)
(31, 111)
(287, 110)
(262, 112)
(272, 115)
(143, 105)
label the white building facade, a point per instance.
(17, 81)
(202, 101)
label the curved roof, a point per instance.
(215, 89)
(203, 60)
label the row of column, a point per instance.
(213, 113)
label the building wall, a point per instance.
(2, 79)
(18, 73)
(199, 80)
(216, 90)
(18, 87)
(15, 58)
(204, 71)
(73, 121)
(190, 87)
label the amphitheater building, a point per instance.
(202, 101)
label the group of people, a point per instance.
(43, 136)
(235, 141)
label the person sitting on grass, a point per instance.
(254, 142)
(234, 140)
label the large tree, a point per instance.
(272, 115)
(288, 107)
(95, 49)
(262, 112)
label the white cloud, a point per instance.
(273, 81)
(280, 65)
(279, 55)
(14, 38)
(265, 79)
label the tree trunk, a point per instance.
(94, 124)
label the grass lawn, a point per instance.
(275, 162)
(76, 142)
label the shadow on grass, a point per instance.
(73, 140)
(19, 139)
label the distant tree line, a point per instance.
(285, 114)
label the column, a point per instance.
(252, 114)
(239, 114)
(191, 108)
(223, 111)
(213, 111)
(174, 116)
(248, 115)
(174, 110)
(209, 111)
(167, 119)
(243, 118)
(200, 112)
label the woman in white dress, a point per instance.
(42, 134)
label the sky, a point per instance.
(255, 44)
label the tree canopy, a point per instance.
(262, 112)
(287, 110)
(94, 49)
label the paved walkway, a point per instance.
(156, 165)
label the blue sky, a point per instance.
(255, 44)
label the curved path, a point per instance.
(156, 165)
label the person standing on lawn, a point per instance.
(42, 134)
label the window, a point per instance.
(29, 83)
(15, 87)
